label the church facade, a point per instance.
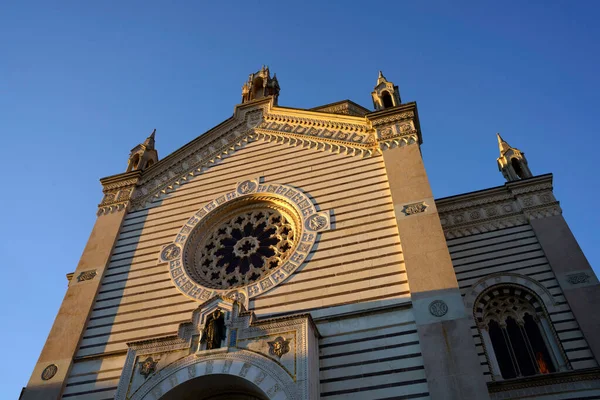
(300, 254)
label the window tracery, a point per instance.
(517, 336)
(244, 248)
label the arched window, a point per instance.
(517, 336)
(133, 162)
(257, 88)
(517, 167)
(386, 98)
(149, 163)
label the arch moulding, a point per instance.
(508, 279)
(262, 372)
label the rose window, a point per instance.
(244, 248)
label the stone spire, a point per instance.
(512, 162)
(260, 85)
(502, 145)
(385, 94)
(143, 155)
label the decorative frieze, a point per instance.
(469, 215)
(117, 192)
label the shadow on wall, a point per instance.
(110, 301)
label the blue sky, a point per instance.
(81, 83)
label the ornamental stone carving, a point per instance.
(578, 278)
(438, 308)
(279, 347)
(245, 242)
(86, 276)
(415, 208)
(147, 367)
(49, 372)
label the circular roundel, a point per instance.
(245, 242)
(49, 372)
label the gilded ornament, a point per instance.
(279, 347)
(147, 367)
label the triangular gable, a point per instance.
(261, 120)
(345, 107)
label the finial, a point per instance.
(153, 133)
(512, 162)
(502, 145)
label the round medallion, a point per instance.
(49, 372)
(170, 252)
(245, 242)
(438, 308)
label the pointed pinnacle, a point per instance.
(502, 144)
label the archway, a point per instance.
(216, 387)
(245, 374)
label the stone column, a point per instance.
(574, 274)
(52, 368)
(451, 362)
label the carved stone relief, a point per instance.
(272, 354)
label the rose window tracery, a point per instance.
(244, 248)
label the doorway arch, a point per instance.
(216, 387)
(253, 375)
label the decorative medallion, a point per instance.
(578, 278)
(86, 276)
(438, 308)
(170, 252)
(415, 208)
(49, 372)
(279, 347)
(245, 242)
(147, 367)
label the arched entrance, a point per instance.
(237, 375)
(216, 387)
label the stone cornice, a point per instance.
(515, 203)
(545, 380)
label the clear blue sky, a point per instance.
(81, 83)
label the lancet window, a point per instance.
(517, 335)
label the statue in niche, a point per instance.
(214, 330)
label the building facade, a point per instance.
(299, 254)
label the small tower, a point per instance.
(385, 95)
(260, 85)
(512, 162)
(143, 155)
